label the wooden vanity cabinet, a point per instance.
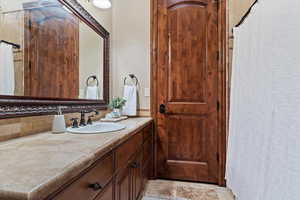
(130, 181)
(119, 175)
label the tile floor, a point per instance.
(173, 190)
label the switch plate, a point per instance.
(147, 92)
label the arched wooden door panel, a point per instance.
(187, 94)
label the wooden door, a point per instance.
(51, 53)
(124, 185)
(187, 90)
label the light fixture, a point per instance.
(103, 4)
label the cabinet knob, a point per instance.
(162, 108)
(134, 165)
(95, 186)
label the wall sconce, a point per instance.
(103, 4)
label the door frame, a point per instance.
(223, 85)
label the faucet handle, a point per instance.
(74, 122)
(90, 121)
(96, 112)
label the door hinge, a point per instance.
(29, 24)
(218, 56)
(218, 105)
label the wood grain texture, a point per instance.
(128, 149)
(187, 83)
(223, 90)
(51, 53)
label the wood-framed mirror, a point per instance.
(52, 53)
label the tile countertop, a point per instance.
(31, 168)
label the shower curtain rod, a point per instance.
(13, 44)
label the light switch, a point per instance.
(147, 92)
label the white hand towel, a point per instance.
(7, 70)
(130, 95)
(92, 92)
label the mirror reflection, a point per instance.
(47, 51)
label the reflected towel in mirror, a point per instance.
(92, 92)
(7, 71)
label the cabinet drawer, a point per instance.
(90, 184)
(128, 149)
(147, 151)
(147, 132)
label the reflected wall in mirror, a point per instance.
(47, 51)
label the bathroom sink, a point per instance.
(96, 128)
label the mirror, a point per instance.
(49, 50)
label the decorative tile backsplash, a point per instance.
(19, 127)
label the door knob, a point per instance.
(95, 186)
(162, 109)
(134, 165)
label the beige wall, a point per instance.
(237, 10)
(90, 58)
(104, 17)
(131, 45)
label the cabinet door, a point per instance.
(137, 176)
(123, 185)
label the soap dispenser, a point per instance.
(59, 123)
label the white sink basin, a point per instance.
(99, 127)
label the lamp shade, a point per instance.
(103, 4)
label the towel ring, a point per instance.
(133, 77)
(94, 77)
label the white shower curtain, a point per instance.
(7, 70)
(264, 141)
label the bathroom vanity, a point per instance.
(107, 166)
